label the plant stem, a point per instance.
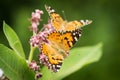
(31, 54)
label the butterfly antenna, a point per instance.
(64, 15)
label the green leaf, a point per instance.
(47, 74)
(78, 58)
(14, 66)
(13, 40)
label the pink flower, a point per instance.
(33, 65)
(37, 39)
(35, 20)
(43, 59)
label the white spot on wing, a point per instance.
(85, 22)
(75, 38)
(73, 33)
(58, 66)
(79, 34)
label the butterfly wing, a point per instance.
(73, 25)
(65, 40)
(60, 25)
(56, 19)
(54, 55)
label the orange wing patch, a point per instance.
(73, 25)
(53, 53)
(57, 21)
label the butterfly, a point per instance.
(60, 41)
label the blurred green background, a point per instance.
(105, 28)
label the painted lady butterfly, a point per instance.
(60, 41)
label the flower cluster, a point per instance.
(38, 38)
(35, 20)
(33, 66)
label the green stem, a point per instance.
(31, 54)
